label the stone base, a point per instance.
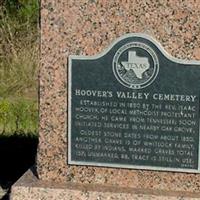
(2, 192)
(28, 187)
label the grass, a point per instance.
(19, 58)
(18, 116)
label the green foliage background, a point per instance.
(19, 58)
(18, 117)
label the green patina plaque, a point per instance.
(134, 106)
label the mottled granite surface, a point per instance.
(30, 188)
(86, 28)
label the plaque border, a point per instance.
(69, 98)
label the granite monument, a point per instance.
(143, 103)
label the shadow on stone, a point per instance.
(17, 154)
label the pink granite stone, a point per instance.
(87, 28)
(29, 188)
